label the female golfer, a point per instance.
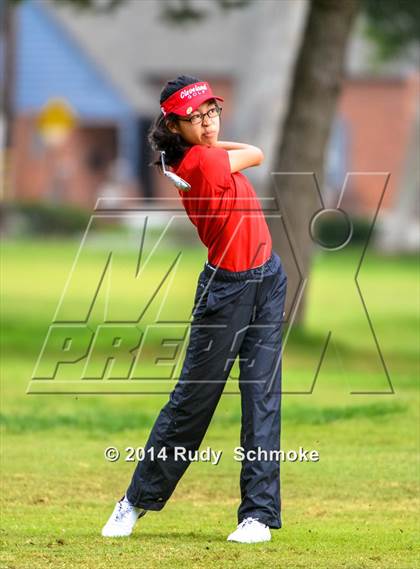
(238, 310)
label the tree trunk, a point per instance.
(7, 35)
(314, 93)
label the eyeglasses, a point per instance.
(198, 119)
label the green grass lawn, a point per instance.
(356, 508)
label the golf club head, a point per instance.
(176, 180)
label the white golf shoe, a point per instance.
(250, 530)
(123, 519)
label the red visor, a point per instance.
(184, 101)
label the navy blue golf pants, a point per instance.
(235, 314)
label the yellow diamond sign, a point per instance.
(56, 120)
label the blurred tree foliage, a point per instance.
(393, 25)
(179, 11)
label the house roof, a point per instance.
(150, 48)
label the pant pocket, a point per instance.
(222, 293)
(201, 296)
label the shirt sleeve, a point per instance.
(215, 167)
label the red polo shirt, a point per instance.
(225, 209)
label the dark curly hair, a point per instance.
(159, 135)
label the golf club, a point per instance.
(177, 180)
